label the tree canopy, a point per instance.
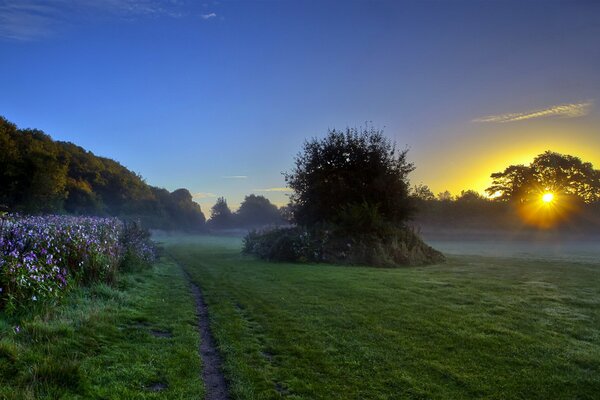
(350, 172)
(221, 215)
(549, 172)
(40, 175)
(257, 211)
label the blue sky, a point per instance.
(219, 96)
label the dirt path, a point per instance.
(214, 381)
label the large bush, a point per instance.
(359, 169)
(399, 247)
(350, 203)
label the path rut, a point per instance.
(214, 380)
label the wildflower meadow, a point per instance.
(41, 257)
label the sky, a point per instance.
(219, 96)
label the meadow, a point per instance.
(136, 339)
(474, 327)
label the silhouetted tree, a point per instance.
(185, 211)
(350, 202)
(549, 171)
(351, 172)
(257, 211)
(444, 196)
(221, 216)
(470, 196)
(423, 193)
(513, 183)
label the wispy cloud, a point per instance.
(569, 110)
(234, 177)
(275, 189)
(209, 16)
(34, 19)
(202, 195)
(27, 20)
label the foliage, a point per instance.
(283, 244)
(42, 257)
(350, 202)
(470, 196)
(397, 247)
(106, 342)
(138, 249)
(39, 175)
(560, 174)
(256, 211)
(444, 196)
(221, 215)
(422, 192)
(346, 169)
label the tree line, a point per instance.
(39, 175)
(349, 178)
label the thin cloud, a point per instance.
(275, 189)
(208, 16)
(568, 110)
(202, 195)
(27, 20)
(234, 177)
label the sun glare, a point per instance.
(547, 197)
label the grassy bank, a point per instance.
(135, 340)
(475, 327)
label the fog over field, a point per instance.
(542, 245)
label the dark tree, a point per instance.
(444, 196)
(185, 211)
(554, 172)
(221, 216)
(257, 211)
(355, 172)
(470, 197)
(422, 193)
(514, 183)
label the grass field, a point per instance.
(134, 341)
(475, 327)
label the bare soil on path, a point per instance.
(214, 381)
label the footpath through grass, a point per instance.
(474, 327)
(137, 340)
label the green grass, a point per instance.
(475, 327)
(101, 343)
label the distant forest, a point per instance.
(40, 175)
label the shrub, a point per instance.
(41, 257)
(401, 246)
(351, 202)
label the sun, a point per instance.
(547, 197)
